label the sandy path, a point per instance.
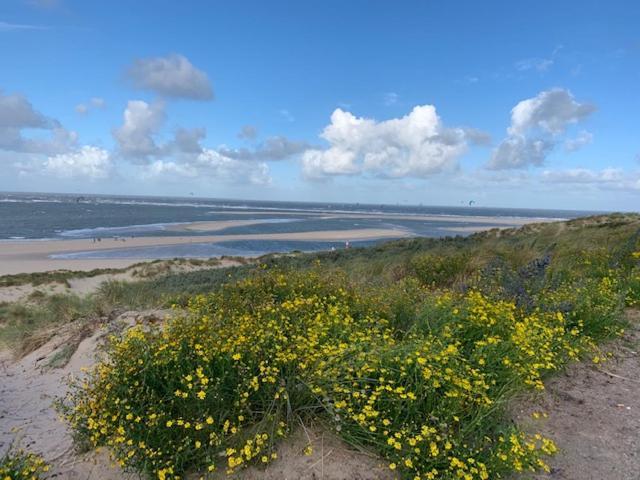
(594, 416)
(27, 416)
(331, 459)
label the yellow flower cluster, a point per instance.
(22, 465)
(216, 387)
(632, 298)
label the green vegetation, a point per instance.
(412, 350)
(142, 270)
(432, 269)
(26, 327)
(496, 256)
(58, 276)
(21, 465)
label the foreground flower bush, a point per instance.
(216, 388)
(21, 465)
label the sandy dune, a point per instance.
(87, 285)
(28, 418)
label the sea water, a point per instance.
(32, 216)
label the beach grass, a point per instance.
(411, 350)
(24, 327)
(58, 276)
(140, 270)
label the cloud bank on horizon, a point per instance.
(407, 145)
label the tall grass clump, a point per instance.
(440, 270)
(26, 327)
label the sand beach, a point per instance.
(38, 256)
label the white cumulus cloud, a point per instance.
(167, 167)
(583, 138)
(135, 138)
(212, 165)
(18, 116)
(171, 76)
(215, 165)
(536, 125)
(416, 145)
(184, 156)
(88, 162)
(551, 111)
(273, 148)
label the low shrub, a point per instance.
(21, 465)
(217, 387)
(439, 270)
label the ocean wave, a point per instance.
(30, 200)
(27, 240)
(320, 208)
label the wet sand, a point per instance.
(475, 223)
(28, 256)
(35, 256)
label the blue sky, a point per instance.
(523, 104)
